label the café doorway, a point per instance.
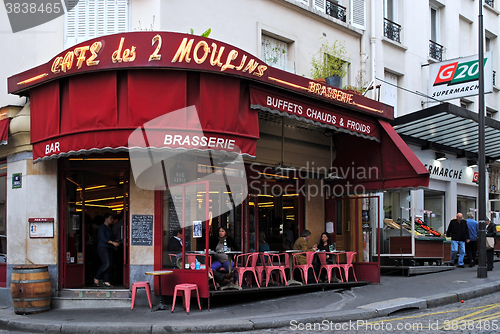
(90, 188)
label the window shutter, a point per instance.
(70, 24)
(94, 18)
(358, 14)
(320, 5)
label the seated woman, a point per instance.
(324, 245)
(217, 244)
(263, 245)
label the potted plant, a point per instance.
(330, 63)
(360, 86)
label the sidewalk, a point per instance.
(365, 302)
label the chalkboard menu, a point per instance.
(174, 223)
(142, 230)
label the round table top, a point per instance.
(293, 250)
(159, 272)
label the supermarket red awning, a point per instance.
(374, 166)
(4, 131)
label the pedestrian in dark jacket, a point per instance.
(491, 231)
(459, 233)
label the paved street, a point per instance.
(479, 315)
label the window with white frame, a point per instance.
(390, 91)
(434, 24)
(435, 49)
(392, 30)
(358, 14)
(275, 53)
(93, 18)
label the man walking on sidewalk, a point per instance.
(459, 233)
(471, 246)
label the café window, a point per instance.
(197, 209)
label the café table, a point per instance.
(290, 259)
(231, 254)
(159, 273)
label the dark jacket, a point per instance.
(104, 235)
(491, 231)
(458, 231)
(174, 245)
(230, 243)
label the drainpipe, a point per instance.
(372, 46)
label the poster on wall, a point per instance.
(197, 229)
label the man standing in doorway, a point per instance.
(471, 246)
(459, 233)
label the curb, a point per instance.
(374, 310)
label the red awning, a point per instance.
(365, 165)
(4, 131)
(98, 112)
(314, 112)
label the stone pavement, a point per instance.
(246, 312)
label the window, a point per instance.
(392, 30)
(435, 49)
(466, 104)
(490, 3)
(275, 53)
(93, 18)
(491, 113)
(391, 10)
(465, 33)
(390, 91)
(358, 14)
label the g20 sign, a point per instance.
(459, 77)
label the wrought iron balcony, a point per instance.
(494, 75)
(392, 30)
(436, 51)
(336, 11)
(490, 3)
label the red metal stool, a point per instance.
(142, 284)
(186, 301)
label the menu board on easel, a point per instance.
(142, 230)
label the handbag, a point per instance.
(490, 242)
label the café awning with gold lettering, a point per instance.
(164, 90)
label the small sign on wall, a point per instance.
(41, 227)
(17, 180)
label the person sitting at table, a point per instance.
(302, 244)
(217, 244)
(175, 242)
(324, 245)
(263, 245)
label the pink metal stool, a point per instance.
(186, 301)
(142, 284)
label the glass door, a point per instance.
(89, 190)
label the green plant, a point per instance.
(205, 34)
(361, 83)
(330, 60)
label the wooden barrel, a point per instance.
(30, 288)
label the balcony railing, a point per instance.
(392, 30)
(494, 75)
(336, 11)
(490, 3)
(436, 51)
